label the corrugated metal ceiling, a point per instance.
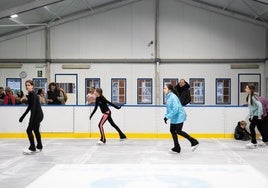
(44, 13)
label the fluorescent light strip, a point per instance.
(75, 66)
(10, 65)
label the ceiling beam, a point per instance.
(235, 15)
(110, 6)
(27, 7)
(96, 10)
(253, 11)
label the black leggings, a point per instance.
(34, 127)
(257, 122)
(177, 129)
(107, 116)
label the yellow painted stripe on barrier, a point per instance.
(114, 135)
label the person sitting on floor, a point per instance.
(241, 132)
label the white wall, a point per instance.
(30, 46)
(132, 71)
(185, 32)
(131, 119)
(188, 32)
(119, 33)
(210, 71)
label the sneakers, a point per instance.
(251, 146)
(174, 151)
(100, 142)
(28, 152)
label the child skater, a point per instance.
(102, 102)
(34, 122)
(176, 114)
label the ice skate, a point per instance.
(251, 146)
(28, 152)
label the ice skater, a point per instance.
(255, 116)
(35, 119)
(102, 102)
(176, 114)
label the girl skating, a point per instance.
(176, 114)
(102, 102)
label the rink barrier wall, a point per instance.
(136, 121)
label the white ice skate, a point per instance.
(28, 152)
(251, 146)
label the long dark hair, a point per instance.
(171, 88)
(251, 94)
(99, 90)
(30, 82)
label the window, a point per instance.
(197, 90)
(144, 89)
(92, 83)
(172, 81)
(223, 91)
(118, 90)
(14, 84)
(40, 83)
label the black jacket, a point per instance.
(183, 93)
(102, 102)
(35, 107)
(241, 134)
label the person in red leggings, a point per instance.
(102, 102)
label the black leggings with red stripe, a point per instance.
(107, 116)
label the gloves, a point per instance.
(165, 120)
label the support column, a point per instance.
(157, 56)
(48, 54)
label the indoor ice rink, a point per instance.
(132, 49)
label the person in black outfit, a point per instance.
(241, 132)
(183, 92)
(102, 102)
(53, 94)
(35, 119)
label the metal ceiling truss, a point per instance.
(91, 11)
(223, 11)
(27, 7)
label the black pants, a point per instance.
(265, 129)
(257, 122)
(176, 129)
(34, 127)
(107, 116)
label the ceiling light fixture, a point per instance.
(14, 16)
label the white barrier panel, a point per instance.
(131, 119)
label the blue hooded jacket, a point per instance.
(175, 111)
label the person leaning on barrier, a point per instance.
(9, 98)
(2, 95)
(54, 96)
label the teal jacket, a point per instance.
(175, 112)
(255, 109)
